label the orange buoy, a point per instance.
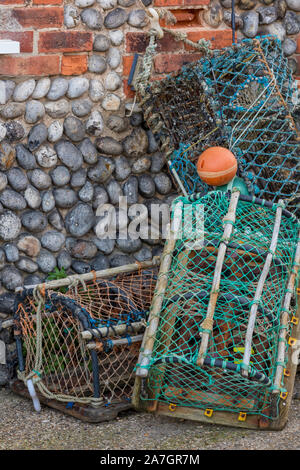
(217, 166)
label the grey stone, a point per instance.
(55, 131)
(32, 197)
(57, 109)
(228, 3)
(136, 144)
(39, 179)
(11, 253)
(88, 151)
(11, 278)
(7, 302)
(289, 46)
(86, 193)
(227, 19)
(34, 111)
(84, 3)
(112, 81)
(94, 125)
(92, 18)
(56, 220)
(130, 190)
(79, 178)
(115, 18)
(293, 65)
(116, 37)
(25, 158)
(101, 43)
(41, 89)
(96, 90)
(137, 18)
(58, 88)
(32, 280)
(80, 267)
(293, 4)
(4, 375)
(107, 4)
(144, 254)
(163, 183)
(247, 4)
(34, 221)
(158, 161)
(77, 87)
(29, 245)
(291, 23)
(74, 128)
(267, 15)
(146, 186)
(12, 110)
(113, 57)
(97, 64)
(17, 179)
(7, 155)
(2, 258)
(82, 107)
(6, 90)
(60, 176)
(46, 156)
(281, 8)
(3, 131)
(79, 220)
(24, 90)
(100, 196)
(65, 198)
(114, 191)
(12, 200)
(276, 29)
(250, 24)
(3, 181)
(14, 131)
(117, 123)
(126, 3)
(100, 262)
(105, 245)
(27, 265)
(136, 119)
(64, 260)
(100, 172)
(37, 136)
(129, 245)
(46, 261)
(83, 249)
(109, 146)
(111, 102)
(120, 260)
(48, 201)
(214, 15)
(53, 240)
(71, 16)
(122, 168)
(141, 165)
(69, 154)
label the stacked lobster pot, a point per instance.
(218, 345)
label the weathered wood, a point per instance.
(116, 330)
(115, 342)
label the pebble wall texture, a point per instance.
(67, 141)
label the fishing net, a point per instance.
(82, 345)
(219, 327)
(241, 97)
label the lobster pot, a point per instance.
(226, 301)
(80, 346)
(241, 97)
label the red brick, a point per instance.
(127, 63)
(24, 37)
(21, 66)
(298, 45)
(138, 41)
(219, 38)
(195, 3)
(65, 41)
(166, 63)
(73, 64)
(297, 57)
(12, 2)
(47, 2)
(39, 18)
(168, 3)
(129, 93)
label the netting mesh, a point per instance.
(241, 97)
(97, 368)
(224, 380)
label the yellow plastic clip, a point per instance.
(292, 341)
(283, 395)
(242, 416)
(208, 412)
(295, 320)
(172, 406)
(286, 372)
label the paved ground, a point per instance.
(21, 428)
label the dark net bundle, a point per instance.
(98, 368)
